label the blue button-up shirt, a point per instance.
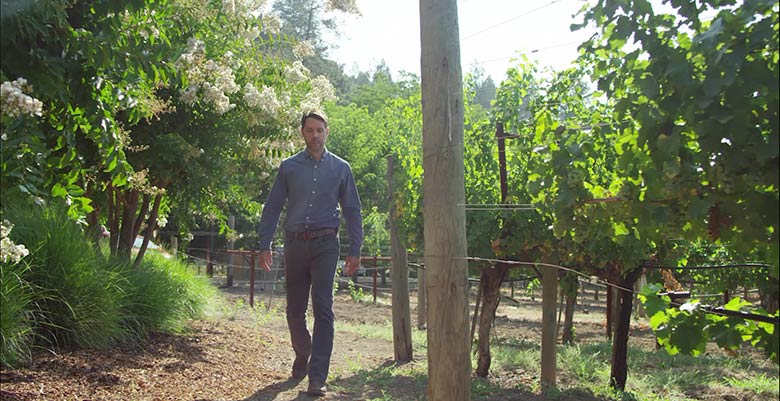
(314, 190)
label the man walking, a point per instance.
(314, 183)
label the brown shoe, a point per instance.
(316, 389)
(300, 367)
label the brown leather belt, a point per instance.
(309, 235)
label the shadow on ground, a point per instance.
(386, 383)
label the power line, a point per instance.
(510, 20)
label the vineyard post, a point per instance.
(449, 365)
(252, 280)
(422, 310)
(399, 278)
(549, 330)
(373, 291)
(231, 258)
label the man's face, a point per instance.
(314, 134)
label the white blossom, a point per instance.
(149, 32)
(322, 89)
(189, 95)
(265, 100)
(214, 96)
(303, 49)
(15, 101)
(9, 251)
(296, 73)
(214, 80)
(271, 24)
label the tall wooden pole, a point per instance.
(444, 197)
(549, 327)
(399, 277)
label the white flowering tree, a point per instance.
(186, 109)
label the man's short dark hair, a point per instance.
(315, 114)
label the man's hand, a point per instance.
(266, 259)
(351, 265)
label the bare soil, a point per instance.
(244, 355)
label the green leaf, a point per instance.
(659, 319)
(688, 338)
(668, 145)
(58, 191)
(736, 304)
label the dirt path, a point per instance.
(240, 355)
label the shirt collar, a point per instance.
(325, 154)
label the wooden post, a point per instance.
(399, 278)
(374, 275)
(175, 246)
(549, 331)
(500, 134)
(252, 280)
(609, 309)
(209, 247)
(421, 307)
(449, 364)
(231, 244)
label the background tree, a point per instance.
(179, 107)
(315, 23)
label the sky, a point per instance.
(493, 34)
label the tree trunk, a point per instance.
(490, 280)
(549, 331)
(770, 295)
(474, 318)
(139, 220)
(150, 225)
(126, 237)
(399, 272)
(619, 372)
(449, 365)
(113, 219)
(568, 317)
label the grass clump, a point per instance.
(66, 292)
(16, 327)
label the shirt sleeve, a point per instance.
(350, 205)
(271, 210)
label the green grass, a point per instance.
(66, 292)
(16, 327)
(583, 373)
(760, 384)
(383, 332)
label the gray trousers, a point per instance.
(310, 266)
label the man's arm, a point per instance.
(270, 218)
(351, 265)
(350, 204)
(266, 259)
